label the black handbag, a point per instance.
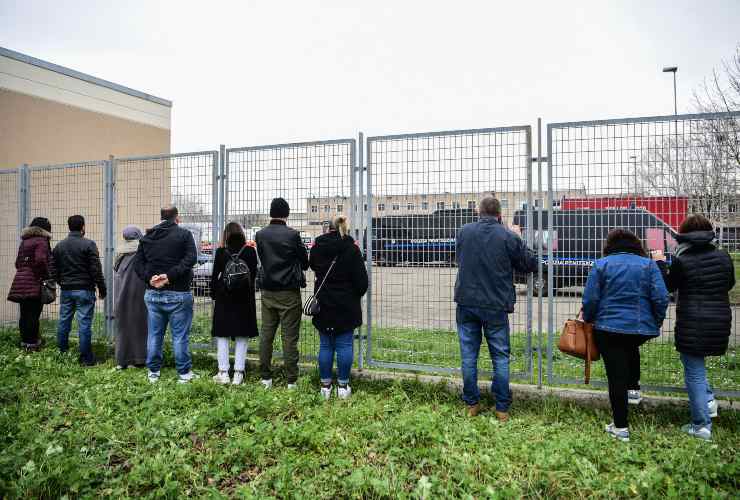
(311, 307)
(48, 291)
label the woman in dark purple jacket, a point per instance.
(33, 265)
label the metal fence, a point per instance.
(406, 196)
(316, 180)
(644, 174)
(421, 188)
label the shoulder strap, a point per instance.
(326, 275)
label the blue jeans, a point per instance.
(83, 303)
(175, 308)
(697, 385)
(343, 345)
(495, 326)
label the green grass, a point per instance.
(96, 432)
(661, 365)
(735, 292)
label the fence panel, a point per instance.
(421, 189)
(57, 192)
(315, 179)
(646, 175)
(10, 189)
(188, 180)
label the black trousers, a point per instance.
(29, 320)
(621, 354)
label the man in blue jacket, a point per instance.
(487, 256)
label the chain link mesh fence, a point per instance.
(313, 177)
(646, 175)
(423, 188)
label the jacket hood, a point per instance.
(332, 245)
(159, 231)
(33, 232)
(697, 237)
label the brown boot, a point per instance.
(474, 410)
(502, 416)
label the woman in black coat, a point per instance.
(703, 275)
(339, 292)
(234, 312)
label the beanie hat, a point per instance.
(42, 222)
(279, 209)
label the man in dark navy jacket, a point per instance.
(487, 255)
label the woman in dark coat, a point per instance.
(339, 298)
(234, 312)
(703, 275)
(128, 303)
(33, 265)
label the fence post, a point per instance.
(539, 252)
(215, 204)
(356, 201)
(368, 236)
(23, 197)
(109, 237)
(528, 236)
(222, 186)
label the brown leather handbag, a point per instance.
(577, 339)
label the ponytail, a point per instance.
(341, 224)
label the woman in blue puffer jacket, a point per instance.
(626, 300)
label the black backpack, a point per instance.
(236, 274)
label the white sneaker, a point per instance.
(326, 392)
(621, 434)
(222, 378)
(267, 384)
(292, 387)
(713, 408)
(153, 377)
(634, 397)
(238, 378)
(187, 377)
(698, 432)
(344, 392)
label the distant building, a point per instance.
(321, 209)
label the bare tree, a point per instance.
(700, 159)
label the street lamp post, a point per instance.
(673, 69)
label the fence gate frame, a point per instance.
(552, 328)
(366, 173)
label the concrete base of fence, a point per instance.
(522, 391)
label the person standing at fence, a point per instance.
(128, 303)
(703, 274)
(78, 272)
(167, 254)
(626, 300)
(234, 311)
(487, 256)
(283, 258)
(33, 265)
(341, 281)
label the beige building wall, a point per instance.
(51, 115)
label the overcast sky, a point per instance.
(246, 73)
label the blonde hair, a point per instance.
(341, 223)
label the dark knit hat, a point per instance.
(42, 222)
(279, 209)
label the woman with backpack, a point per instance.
(703, 274)
(341, 281)
(33, 265)
(625, 299)
(234, 312)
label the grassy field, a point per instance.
(661, 365)
(66, 430)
